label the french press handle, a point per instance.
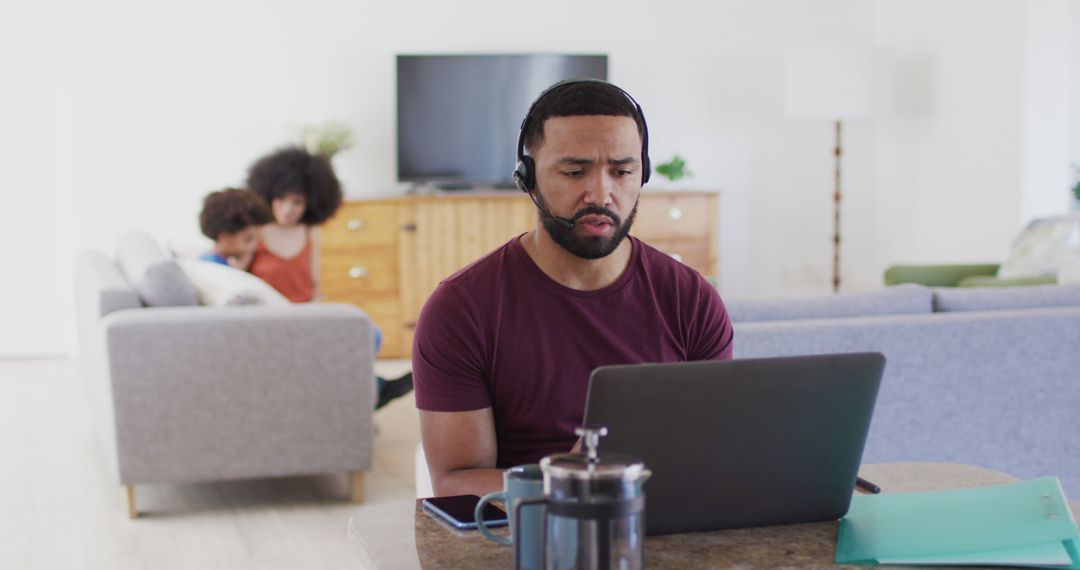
(515, 531)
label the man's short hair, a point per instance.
(294, 170)
(230, 211)
(576, 99)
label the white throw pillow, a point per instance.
(220, 285)
(1038, 250)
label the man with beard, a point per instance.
(504, 348)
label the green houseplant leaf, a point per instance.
(327, 139)
(1076, 184)
(673, 169)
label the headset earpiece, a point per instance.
(525, 174)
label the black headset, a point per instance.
(525, 170)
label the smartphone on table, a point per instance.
(459, 511)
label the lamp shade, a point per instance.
(832, 82)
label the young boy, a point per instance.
(234, 220)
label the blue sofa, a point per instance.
(988, 377)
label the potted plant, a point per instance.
(674, 169)
(1076, 187)
(327, 139)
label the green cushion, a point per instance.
(988, 281)
(937, 275)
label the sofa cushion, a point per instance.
(896, 300)
(1037, 251)
(947, 299)
(159, 280)
(220, 285)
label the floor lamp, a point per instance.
(837, 83)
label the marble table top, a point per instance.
(400, 535)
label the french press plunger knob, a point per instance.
(591, 436)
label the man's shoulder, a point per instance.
(486, 270)
(670, 279)
(463, 307)
(680, 289)
(665, 267)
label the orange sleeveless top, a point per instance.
(291, 277)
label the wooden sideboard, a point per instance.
(387, 255)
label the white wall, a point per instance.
(130, 113)
(1048, 102)
(950, 161)
(1074, 86)
(34, 318)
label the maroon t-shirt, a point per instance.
(502, 334)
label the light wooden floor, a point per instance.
(60, 508)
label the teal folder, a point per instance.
(1017, 524)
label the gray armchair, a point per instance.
(196, 393)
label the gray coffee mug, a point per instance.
(521, 482)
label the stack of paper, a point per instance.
(1018, 524)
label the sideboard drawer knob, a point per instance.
(355, 225)
(674, 213)
(358, 271)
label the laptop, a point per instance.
(740, 443)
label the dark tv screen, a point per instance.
(458, 115)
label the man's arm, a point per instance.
(461, 448)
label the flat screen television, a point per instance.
(458, 115)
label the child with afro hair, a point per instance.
(233, 219)
(302, 192)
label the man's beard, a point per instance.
(587, 247)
